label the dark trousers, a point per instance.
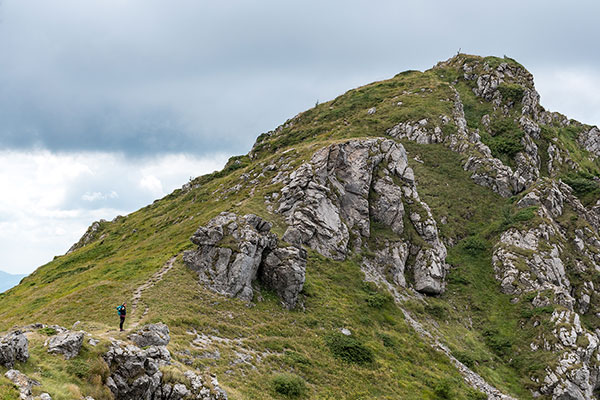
(122, 320)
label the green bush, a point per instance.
(464, 358)
(443, 390)
(525, 214)
(474, 245)
(47, 331)
(582, 183)
(473, 394)
(378, 300)
(387, 340)
(349, 349)
(289, 385)
(511, 92)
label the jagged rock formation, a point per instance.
(231, 250)
(13, 347)
(344, 187)
(539, 261)
(135, 373)
(151, 335)
(67, 343)
(89, 236)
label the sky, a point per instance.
(107, 105)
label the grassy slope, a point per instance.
(481, 326)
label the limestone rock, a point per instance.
(151, 335)
(283, 270)
(333, 198)
(229, 253)
(89, 236)
(135, 372)
(68, 344)
(13, 347)
(22, 382)
(590, 140)
(233, 251)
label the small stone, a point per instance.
(372, 110)
(346, 331)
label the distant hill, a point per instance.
(9, 280)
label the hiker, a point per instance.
(122, 310)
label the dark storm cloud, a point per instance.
(146, 77)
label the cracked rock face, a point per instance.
(234, 251)
(135, 375)
(151, 335)
(67, 344)
(330, 201)
(538, 260)
(13, 347)
(590, 140)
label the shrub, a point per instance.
(511, 92)
(464, 358)
(443, 390)
(47, 331)
(582, 183)
(349, 349)
(387, 340)
(473, 394)
(378, 300)
(525, 214)
(474, 245)
(289, 385)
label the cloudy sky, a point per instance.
(106, 105)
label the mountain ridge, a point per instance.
(443, 209)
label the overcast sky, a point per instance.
(106, 105)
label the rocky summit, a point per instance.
(430, 236)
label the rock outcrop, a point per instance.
(67, 343)
(231, 250)
(556, 267)
(151, 335)
(13, 347)
(330, 202)
(135, 373)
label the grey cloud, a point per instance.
(147, 77)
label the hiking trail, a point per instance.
(137, 295)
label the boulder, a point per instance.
(230, 250)
(283, 270)
(233, 251)
(67, 344)
(135, 375)
(151, 335)
(22, 382)
(13, 347)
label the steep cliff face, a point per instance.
(430, 236)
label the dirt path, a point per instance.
(137, 295)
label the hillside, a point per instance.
(430, 236)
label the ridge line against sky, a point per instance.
(106, 105)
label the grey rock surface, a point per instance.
(151, 335)
(329, 203)
(233, 251)
(283, 270)
(67, 344)
(22, 382)
(534, 261)
(13, 347)
(135, 375)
